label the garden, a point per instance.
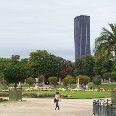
(91, 76)
(104, 91)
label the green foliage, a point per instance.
(83, 80)
(103, 65)
(15, 59)
(4, 62)
(105, 46)
(30, 81)
(41, 79)
(75, 95)
(53, 80)
(15, 74)
(108, 86)
(66, 68)
(2, 77)
(85, 66)
(113, 76)
(97, 82)
(65, 82)
(43, 63)
(107, 75)
(70, 79)
(97, 77)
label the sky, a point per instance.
(30, 25)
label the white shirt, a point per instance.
(57, 96)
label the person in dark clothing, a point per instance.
(56, 100)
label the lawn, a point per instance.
(108, 86)
(105, 86)
(79, 95)
(68, 94)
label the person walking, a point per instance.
(56, 100)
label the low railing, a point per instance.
(103, 107)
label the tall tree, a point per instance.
(105, 44)
(105, 50)
(66, 68)
(85, 66)
(43, 63)
(15, 59)
(15, 74)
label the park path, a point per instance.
(45, 107)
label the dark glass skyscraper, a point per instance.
(82, 35)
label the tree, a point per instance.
(4, 62)
(2, 78)
(107, 76)
(65, 82)
(69, 79)
(85, 66)
(43, 63)
(53, 80)
(30, 81)
(105, 44)
(97, 80)
(41, 79)
(113, 76)
(103, 65)
(83, 80)
(15, 74)
(66, 68)
(15, 59)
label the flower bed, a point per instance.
(35, 95)
(2, 99)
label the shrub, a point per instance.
(53, 80)
(83, 79)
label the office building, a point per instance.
(82, 35)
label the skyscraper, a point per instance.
(82, 35)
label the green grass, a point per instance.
(89, 95)
(108, 86)
(79, 95)
(72, 94)
(105, 86)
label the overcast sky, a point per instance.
(29, 25)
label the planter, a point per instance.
(15, 95)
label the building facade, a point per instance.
(82, 35)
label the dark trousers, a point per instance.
(57, 106)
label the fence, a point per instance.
(105, 107)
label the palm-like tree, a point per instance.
(105, 44)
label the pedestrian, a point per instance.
(56, 100)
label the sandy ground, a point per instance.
(46, 107)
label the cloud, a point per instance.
(27, 25)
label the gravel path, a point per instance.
(45, 107)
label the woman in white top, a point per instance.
(57, 98)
